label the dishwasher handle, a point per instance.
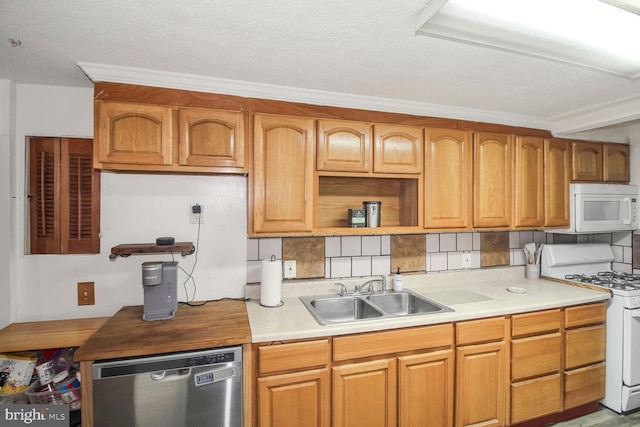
(170, 374)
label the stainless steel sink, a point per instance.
(330, 310)
(333, 309)
(405, 303)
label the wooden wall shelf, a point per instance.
(185, 248)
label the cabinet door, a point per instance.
(133, 134)
(529, 182)
(586, 161)
(536, 397)
(211, 138)
(536, 356)
(282, 179)
(293, 400)
(616, 162)
(481, 381)
(425, 387)
(364, 394)
(397, 149)
(584, 346)
(492, 154)
(584, 385)
(448, 178)
(557, 166)
(343, 146)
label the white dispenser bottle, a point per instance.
(398, 281)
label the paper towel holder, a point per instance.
(273, 259)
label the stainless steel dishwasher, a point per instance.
(195, 389)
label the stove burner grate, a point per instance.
(609, 279)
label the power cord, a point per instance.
(193, 267)
(190, 304)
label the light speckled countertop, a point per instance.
(472, 294)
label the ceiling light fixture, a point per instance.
(588, 33)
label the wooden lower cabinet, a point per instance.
(489, 372)
(364, 394)
(480, 385)
(295, 399)
(402, 377)
(584, 354)
(294, 384)
(425, 389)
(584, 385)
(536, 365)
(536, 397)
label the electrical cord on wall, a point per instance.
(193, 267)
(189, 302)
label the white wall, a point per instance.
(7, 118)
(136, 208)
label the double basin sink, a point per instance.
(335, 309)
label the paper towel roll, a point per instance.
(271, 283)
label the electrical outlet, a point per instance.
(86, 293)
(466, 260)
(290, 269)
(197, 214)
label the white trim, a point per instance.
(429, 12)
(155, 78)
(610, 113)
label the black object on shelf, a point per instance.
(185, 248)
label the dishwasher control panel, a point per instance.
(165, 362)
(210, 359)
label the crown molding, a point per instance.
(618, 112)
(164, 79)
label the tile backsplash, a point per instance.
(361, 256)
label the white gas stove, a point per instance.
(623, 284)
(591, 264)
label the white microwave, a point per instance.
(602, 208)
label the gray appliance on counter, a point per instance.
(196, 389)
(160, 283)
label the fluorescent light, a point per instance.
(589, 33)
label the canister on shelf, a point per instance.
(373, 213)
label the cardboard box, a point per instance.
(16, 371)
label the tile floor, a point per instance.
(604, 418)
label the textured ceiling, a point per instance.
(357, 47)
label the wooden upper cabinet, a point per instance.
(282, 197)
(557, 175)
(493, 164)
(616, 162)
(152, 138)
(600, 162)
(344, 146)
(211, 138)
(586, 161)
(132, 134)
(529, 182)
(397, 149)
(448, 179)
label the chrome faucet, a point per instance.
(364, 289)
(369, 284)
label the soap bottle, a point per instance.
(398, 282)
